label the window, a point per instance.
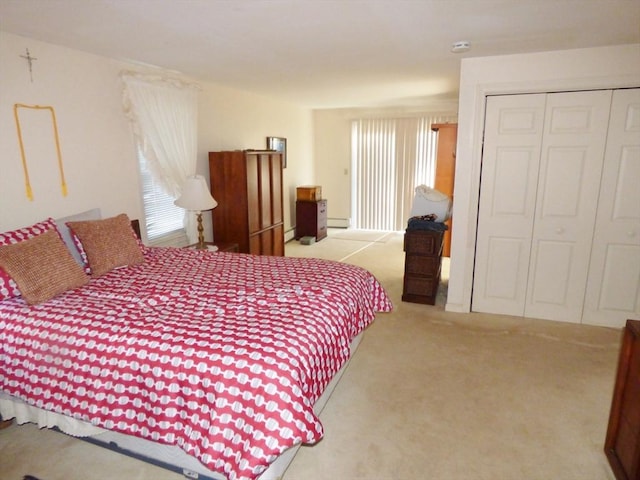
(390, 158)
(163, 113)
(164, 221)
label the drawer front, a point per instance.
(422, 265)
(322, 210)
(423, 243)
(420, 286)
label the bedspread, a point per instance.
(222, 354)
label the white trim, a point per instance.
(338, 222)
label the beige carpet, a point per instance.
(428, 395)
(361, 235)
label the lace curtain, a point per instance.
(164, 116)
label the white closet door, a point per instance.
(613, 289)
(571, 162)
(510, 162)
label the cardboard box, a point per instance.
(309, 193)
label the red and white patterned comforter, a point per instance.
(222, 354)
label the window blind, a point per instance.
(164, 221)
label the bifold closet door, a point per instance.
(510, 164)
(541, 167)
(571, 162)
(613, 288)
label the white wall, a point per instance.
(583, 69)
(332, 151)
(96, 145)
(95, 140)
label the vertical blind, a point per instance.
(390, 157)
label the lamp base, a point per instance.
(200, 245)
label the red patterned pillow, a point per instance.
(8, 288)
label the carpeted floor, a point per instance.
(361, 235)
(428, 395)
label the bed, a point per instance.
(217, 359)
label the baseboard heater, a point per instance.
(338, 222)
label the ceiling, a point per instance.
(323, 53)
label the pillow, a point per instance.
(42, 267)
(8, 288)
(108, 243)
(65, 233)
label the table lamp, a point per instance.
(196, 198)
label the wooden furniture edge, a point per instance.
(632, 329)
(135, 224)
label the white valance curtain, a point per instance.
(164, 116)
(390, 158)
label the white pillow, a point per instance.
(428, 201)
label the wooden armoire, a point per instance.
(247, 184)
(446, 169)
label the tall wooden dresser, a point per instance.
(247, 184)
(423, 256)
(622, 444)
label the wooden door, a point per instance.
(613, 288)
(266, 229)
(254, 184)
(445, 170)
(277, 201)
(510, 163)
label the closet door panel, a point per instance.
(613, 289)
(571, 162)
(513, 135)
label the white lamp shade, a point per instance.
(195, 195)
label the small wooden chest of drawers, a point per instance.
(423, 255)
(311, 219)
(622, 444)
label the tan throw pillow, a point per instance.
(108, 243)
(42, 267)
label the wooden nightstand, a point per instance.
(311, 219)
(220, 247)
